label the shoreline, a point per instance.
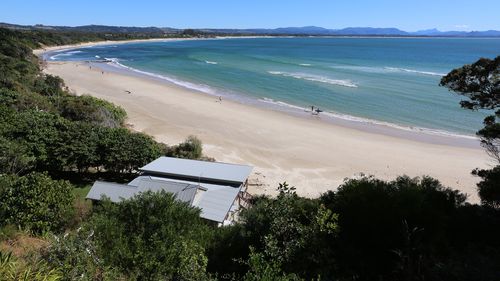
(414, 133)
(313, 156)
(421, 134)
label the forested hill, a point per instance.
(149, 32)
(53, 145)
(36, 36)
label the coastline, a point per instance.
(41, 51)
(413, 133)
(312, 155)
(421, 134)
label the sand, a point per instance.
(308, 153)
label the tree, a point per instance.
(35, 202)
(288, 233)
(152, 236)
(262, 270)
(125, 151)
(191, 148)
(391, 230)
(480, 83)
(14, 157)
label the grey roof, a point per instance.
(114, 191)
(215, 201)
(202, 170)
(184, 192)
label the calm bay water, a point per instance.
(393, 80)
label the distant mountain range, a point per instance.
(296, 31)
(358, 31)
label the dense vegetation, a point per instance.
(53, 143)
(480, 84)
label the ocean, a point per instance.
(388, 81)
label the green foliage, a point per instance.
(262, 270)
(123, 151)
(12, 270)
(151, 237)
(92, 110)
(292, 232)
(480, 83)
(489, 191)
(74, 254)
(35, 202)
(14, 157)
(191, 148)
(49, 85)
(392, 230)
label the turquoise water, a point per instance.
(389, 80)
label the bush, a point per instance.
(151, 237)
(391, 229)
(489, 187)
(191, 148)
(92, 110)
(35, 202)
(74, 254)
(13, 270)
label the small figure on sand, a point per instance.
(220, 98)
(315, 110)
(128, 92)
(102, 72)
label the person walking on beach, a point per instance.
(220, 98)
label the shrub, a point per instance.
(35, 202)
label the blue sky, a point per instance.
(410, 15)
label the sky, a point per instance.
(409, 15)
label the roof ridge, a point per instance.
(197, 160)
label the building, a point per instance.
(218, 189)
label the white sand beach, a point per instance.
(308, 153)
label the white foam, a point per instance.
(197, 87)
(398, 69)
(64, 53)
(208, 90)
(369, 69)
(374, 69)
(305, 64)
(371, 121)
(211, 62)
(315, 78)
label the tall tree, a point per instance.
(480, 84)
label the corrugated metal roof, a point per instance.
(199, 169)
(214, 200)
(114, 191)
(183, 191)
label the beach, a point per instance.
(312, 155)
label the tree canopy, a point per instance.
(480, 83)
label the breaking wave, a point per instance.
(398, 69)
(63, 53)
(351, 118)
(193, 86)
(315, 78)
